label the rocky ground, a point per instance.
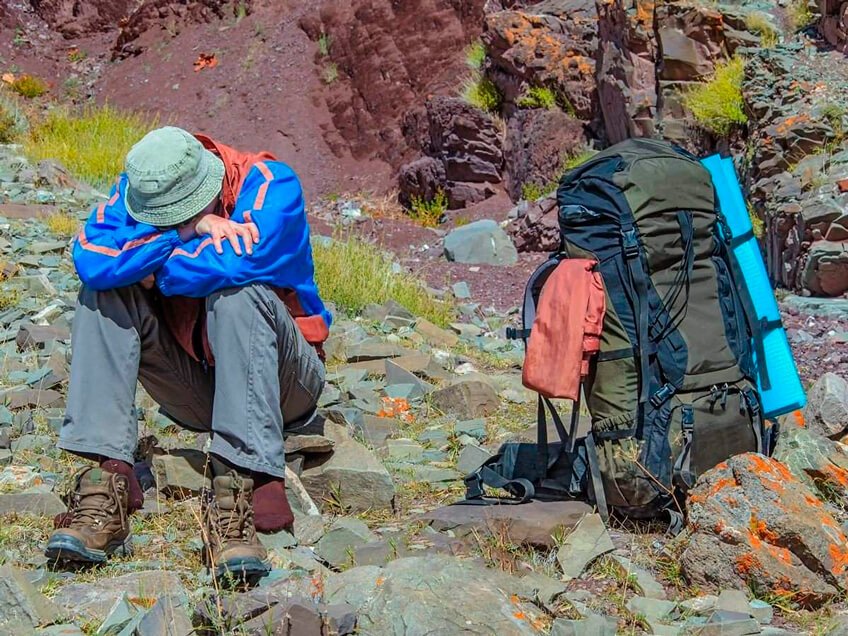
(409, 407)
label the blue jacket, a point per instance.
(113, 250)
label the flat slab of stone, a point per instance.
(533, 523)
(42, 504)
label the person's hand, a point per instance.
(220, 228)
(149, 282)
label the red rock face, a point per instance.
(553, 45)
(73, 18)
(754, 524)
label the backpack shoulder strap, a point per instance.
(531, 297)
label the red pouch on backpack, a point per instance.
(567, 329)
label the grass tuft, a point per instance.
(8, 125)
(532, 191)
(29, 86)
(325, 41)
(576, 160)
(330, 73)
(760, 24)
(480, 92)
(92, 143)
(475, 55)
(538, 97)
(717, 105)
(429, 213)
(799, 15)
(63, 224)
(352, 274)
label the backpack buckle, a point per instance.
(662, 395)
(631, 243)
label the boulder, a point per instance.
(480, 242)
(825, 271)
(537, 142)
(181, 473)
(819, 462)
(538, 229)
(536, 523)
(551, 44)
(352, 474)
(421, 180)
(827, 406)
(435, 595)
(22, 607)
(584, 544)
(344, 536)
(308, 444)
(42, 504)
(466, 399)
(93, 601)
(752, 523)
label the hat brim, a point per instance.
(187, 207)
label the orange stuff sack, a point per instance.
(566, 331)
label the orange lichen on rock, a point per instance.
(745, 563)
(760, 529)
(839, 555)
(701, 496)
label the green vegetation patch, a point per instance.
(538, 97)
(92, 143)
(429, 213)
(717, 105)
(352, 274)
(480, 91)
(475, 55)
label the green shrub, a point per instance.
(324, 44)
(756, 222)
(479, 91)
(717, 105)
(835, 116)
(429, 213)
(352, 274)
(573, 161)
(29, 86)
(330, 73)
(760, 24)
(538, 97)
(799, 14)
(475, 55)
(532, 191)
(92, 142)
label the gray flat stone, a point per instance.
(584, 544)
(41, 504)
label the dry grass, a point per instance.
(63, 224)
(92, 143)
(29, 86)
(352, 274)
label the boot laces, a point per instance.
(93, 508)
(234, 524)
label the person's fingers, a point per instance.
(233, 237)
(247, 237)
(216, 241)
(254, 231)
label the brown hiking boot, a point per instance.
(98, 525)
(229, 534)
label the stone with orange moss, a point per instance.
(819, 462)
(753, 524)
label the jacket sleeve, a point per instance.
(272, 198)
(112, 250)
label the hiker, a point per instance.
(197, 281)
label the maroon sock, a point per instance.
(271, 510)
(136, 496)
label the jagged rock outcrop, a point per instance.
(72, 18)
(552, 44)
(464, 154)
(537, 142)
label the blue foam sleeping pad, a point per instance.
(786, 393)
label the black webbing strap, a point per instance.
(522, 488)
(597, 482)
(640, 282)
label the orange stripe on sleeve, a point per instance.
(111, 251)
(203, 245)
(263, 189)
(101, 213)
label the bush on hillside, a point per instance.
(538, 97)
(717, 105)
(92, 143)
(480, 92)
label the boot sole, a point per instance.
(249, 569)
(66, 548)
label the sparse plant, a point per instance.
(29, 86)
(799, 15)
(835, 116)
(325, 41)
(717, 105)
(576, 160)
(8, 125)
(760, 24)
(481, 92)
(538, 97)
(429, 213)
(353, 273)
(92, 142)
(532, 191)
(475, 55)
(756, 222)
(63, 224)
(241, 11)
(330, 73)
(76, 54)
(9, 297)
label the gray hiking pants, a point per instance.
(266, 376)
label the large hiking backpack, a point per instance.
(672, 391)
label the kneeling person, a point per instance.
(197, 281)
